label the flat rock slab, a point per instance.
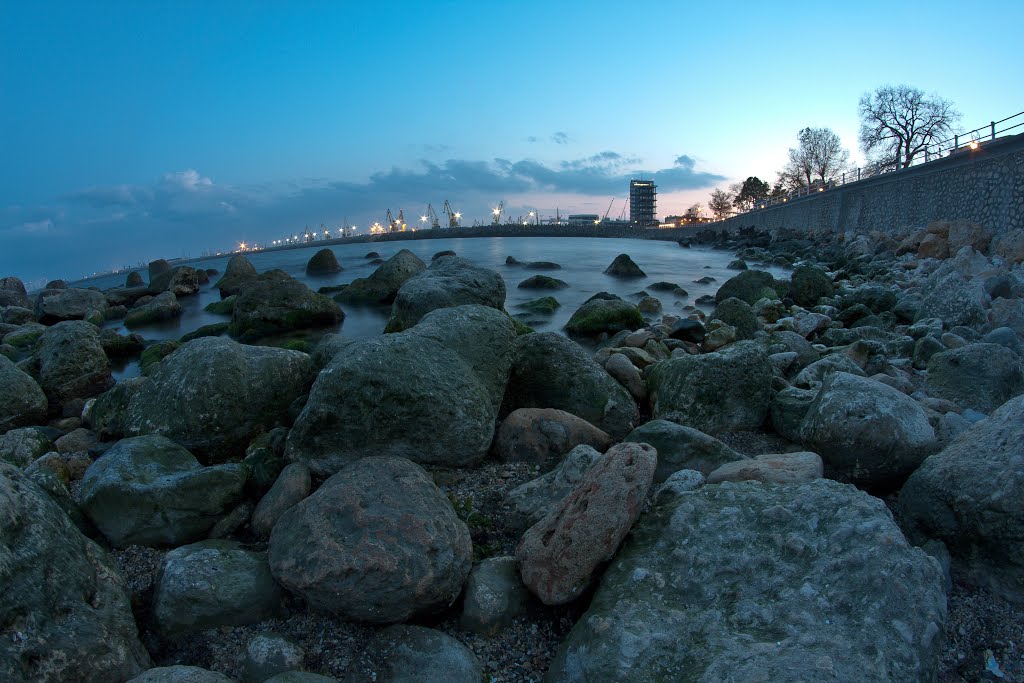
(781, 468)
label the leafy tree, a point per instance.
(721, 203)
(693, 213)
(898, 122)
(819, 156)
(750, 192)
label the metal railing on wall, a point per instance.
(961, 143)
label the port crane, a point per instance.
(497, 213)
(608, 210)
(431, 215)
(453, 216)
(622, 214)
(394, 225)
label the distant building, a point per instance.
(583, 219)
(643, 202)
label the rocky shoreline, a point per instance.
(820, 480)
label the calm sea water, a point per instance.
(583, 261)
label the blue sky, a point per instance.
(131, 131)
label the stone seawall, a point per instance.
(986, 186)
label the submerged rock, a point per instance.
(383, 284)
(604, 316)
(623, 266)
(273, 304)
(323, 262)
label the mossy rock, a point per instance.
(213, 330)
(546, 305)
(151, 357)
(222, 307)
(749, 286)
(542, 282)
(604, 315)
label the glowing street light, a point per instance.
(458, 215)
(423, 219)
(496, 211)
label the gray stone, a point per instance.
(72, 363)
(377, 542)
(162, 307)
(180, 281)
(414, 654)
(212, 583)
(809, 283)
(530, 502)
(180, 673)
(1004, 336)
(55, 305)
(781, 468)
(494, 596)
(19, 447)
(213, 396)
(867, 433)
(382, 286)
(964, 497)
(607, 316)
(622, 369)
(677, 484)
(276, 303)
(449, 281)
(750, 581)
(815, 374)
(542, 436)
(558, 555)
(291, 486)
(109, 411)
(12, 293)
(954, 299)
(749, 286)
(739, 315)
(482, 336)
(66, 611)
(624, 267)
(22, 401)
(728, 390)
(148, 490)
(788, 410)
(978, 376)
(396, 394)
(300, 677)
(552, 371)
(682, 448)
(238, 274)
(267, 655)
(323, 262)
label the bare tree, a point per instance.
(693, 213)
(720, 204)
(820, 156)
(899, 122)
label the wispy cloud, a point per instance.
(560, 138)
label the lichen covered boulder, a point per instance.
(72, 363)
(275, 304)
(604, 316)
(22, 401)
(449, 281)
(383, 284)
(323, 262)
(732, 582)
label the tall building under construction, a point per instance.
(643, 203)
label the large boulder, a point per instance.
(66, 611)
(162, 307)
(273, 304)
(623, 266)
(22, 401)
(955, 299)
(749, 286)
(449, 281)
(728, 390)
(109, 411)
(868, 433)
(979, 376)
(482, 336)
(607, 316)
(682, 448)
(542, 436)
(213, 395)
(180, 281)
(967, 496)
(558, 555)
(72, 363)
(377, 542)
(407, 654)
(213, 583)
(762, 582)
(55, 305)
(383, 284)
(239, 274)
(20, 447)
(292, 485)
(323, 262)
(12, 293)
(552, 371)
(401, 395)
(148, 490)
(809, 283)
(738, 314)
(180, 673)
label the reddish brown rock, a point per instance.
(780, 468)
(933, 246)
(542, 436)
(558, 554)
